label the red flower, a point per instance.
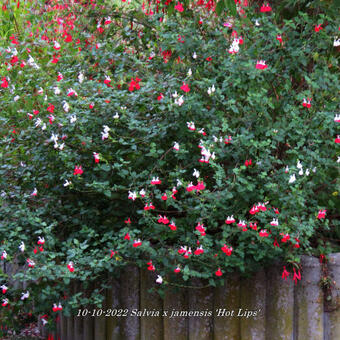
(261, 65)
(4, 83)
(177, 270)
(265, 8)
(285, 273)
(50, 108)
(276, 244)
(322, 214)
(263, 233)
(70, 267)
(160, 97)
(297, 276)
(218, 272)
(172, 226)
(179, 7)
(318, 28)
(185, 87)
(227, 250)
(134, 84)
(306, 103)
(127, 237)
(55, 59)
(78, 170)
(248, 162)
(337, 139)
(208, 59)
(279, 38)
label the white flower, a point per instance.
(73, 119)
(292, 178)
(336, 42)
(189, 72)
(16, 98)
(338, 160)
(54, 138)
(175, 95)
(14, 52)
(66, 107)
(132, 195)
(314, 169)
(307, 172)
(159, 279)
(211, 90)
(67, 183)
(61, 146)
(40, 91)
(116, 116)
(56, 90)
(142, 192)
(179, 101)
(22, 246)
(38, 122)
(44, 126)
(176, 146)
(301, 172)
(81, 77)
(194, 55)
(257, 22)
(4, 254)
(196, 173)
(179, 183)
(25, 295)
(299, 165)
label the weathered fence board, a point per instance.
(280, 306)
(309, 301)
(175, 326)
(200, 300)
(226, 304)
(253, 299)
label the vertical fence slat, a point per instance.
(309, 301)
(175, 326)
(63, 327)
(113, 304)
(333, 316)
(100, 320)
(78, 320)
(226, 305)
(130, 300)
(69, 320)
(279, 306)
(253, 298)
(88, 321)
(151, 326)
(201, 300)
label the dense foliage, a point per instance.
(236, 115)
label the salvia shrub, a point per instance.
(163, 135)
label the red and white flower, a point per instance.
(227, 250)
(263, 233)
(41, 240)
(70, 267)
(156, 181)
(4, 289)
(274, 222)
(261, 65)
(137, 243)
(96, 157)
(322, 214)
(230, 219)
(306, 103)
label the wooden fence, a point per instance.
(263, 307)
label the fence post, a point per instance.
(226, 305)
(309, 301)
(253, 299)
(201, 300)
(99, 318)
(88, 321)
(152, 326)
(279, 306)
(175, 326)
(130, 300)
(113, 304)
(333, 315)
(77, 320)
